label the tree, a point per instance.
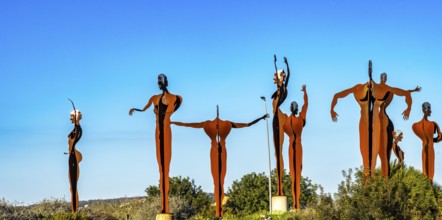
(407, 194)
(185, 189)
(250, 194)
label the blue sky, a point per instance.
(106, 55)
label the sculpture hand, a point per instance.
(131, 111)
(265, 116)
(417, 89)
(303, 88)
(274, 58)
(285, 60)
(334, 116)
(406, 113)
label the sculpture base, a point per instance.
(279, 204)
(164, 216)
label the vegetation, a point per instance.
(407, 194)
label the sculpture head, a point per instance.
(397, 134)
(279, 77)
(294, 108)
(162, 81)
(426, 108)
(76, 116)
(383, 78)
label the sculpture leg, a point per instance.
(424, 160)
(222, 177)
(376, 143)
(164, 153)
(278, 135)
(215, 168)
(292, 167)
(73, 177)
(364, 146)
(430, 167)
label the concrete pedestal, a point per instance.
(279, 204)
(164, 216)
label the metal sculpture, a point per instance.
(400, 155)
(384, 94)
(293, 128)
(75, 156)
(363, 96)
(279, 96)
(218, 130)
(425, 130)
(165, 104)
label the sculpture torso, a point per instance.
(293, 127)
(424, 129)
(223, 129)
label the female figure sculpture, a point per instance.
(400, 155)
(279, 96)
(165, 104)
(293, 128)
(75, 156)
(425, 130)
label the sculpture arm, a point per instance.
(149, 103)
(242, 125)
(191, 125)
(417, 89)
(408, 100)
(337, 96)
(439, 133)
(288, 72)
(305, 105)
(177, 103)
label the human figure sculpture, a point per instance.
(279, 96)
(400, 155)
(381, 92)
(363, 97)
(425, 130)
(165, 104)
(218, 130)
(293, 128)
(387, 126)
(75, 156)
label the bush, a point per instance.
(250, 194)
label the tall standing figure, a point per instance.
(425, 130)
(363, 96)
(400, 155)
(383, 127)
(279, 96)
(165, 104)
(75, 156)
(218, 130)
(293, 128)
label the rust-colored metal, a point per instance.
(75, 156)
(218, 130)
(279, 96)
(400, 155)
(165, 104)
(293, 128)
(425, 130)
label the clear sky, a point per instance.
(106, 55)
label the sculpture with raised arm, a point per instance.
(75, 156)
(165, 104)
(293, 128)
(279, 96)
(425, 130)
(218, 130)
(363, 97)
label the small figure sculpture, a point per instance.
(218, 130)
(400, 155)
(165, 104)
(293, 128)
(75, 156)
(363, 96)
(383, 94)
(279, 96)
(425, 130)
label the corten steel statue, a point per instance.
(75, 156)
(279, 96)
(380, 94)
(218, 130)
(425, 130)
(293, 128)
(363, 96)
(383, 95)
(165, 104)
(400, 155)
